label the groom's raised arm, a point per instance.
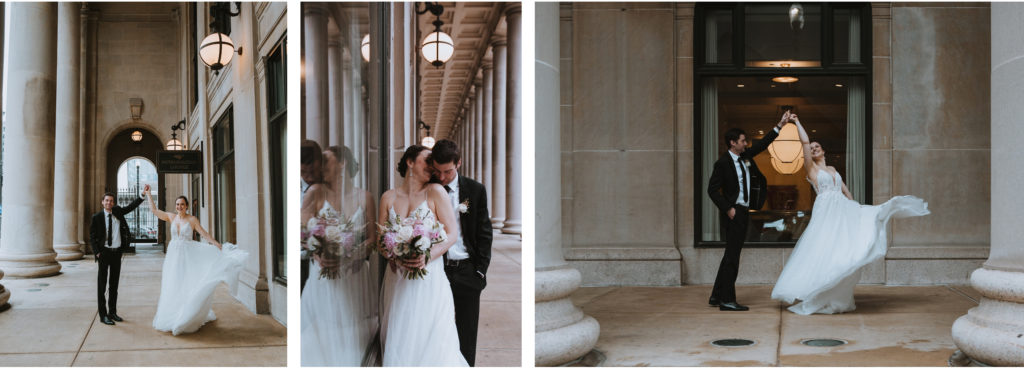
(135, 204)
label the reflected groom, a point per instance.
(110, 237)
(466, 262)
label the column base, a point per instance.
(68, 252)
(563, 332)
(512, 227)
(497, 223)
(990, 334)
(5, 295)
(30, 266)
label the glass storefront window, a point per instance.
(783, 35)
(831, 108)
(224, 178)
(718, 31)
(847, 36)
(277, 114)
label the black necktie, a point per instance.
(743, 180)
(110, 228)
(447, 189)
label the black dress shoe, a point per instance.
(106, 320)
(713, 301)
(115, 317)
(732, 307)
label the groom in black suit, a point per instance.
(736, 186)
(109, 236)
(466, 262)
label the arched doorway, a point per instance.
(132, 176)
(124, 150)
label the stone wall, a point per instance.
(627, 144)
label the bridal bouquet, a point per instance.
(403, 239)
(331, 237)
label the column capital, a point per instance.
(314, 9)
(499, 41)
(513, 8)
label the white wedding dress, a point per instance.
(418, 326)
(191, 272)
(842, 237)
(337, 316)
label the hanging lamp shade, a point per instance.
(787, 152)
(365, 47)
(428, 142)
(438, 48)
(216, 51)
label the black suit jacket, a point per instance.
(475, 226)
(724, 185)
(98, 229)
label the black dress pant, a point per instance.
(110, 264)
(735, 233)
(466, 287)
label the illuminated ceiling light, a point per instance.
(787, 151)
(365, 50)
(785, 79)
(740, 85)
(428, 142)
(796, 17)
(438, 47)
(136, 136)
(839, 85)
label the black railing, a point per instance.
(141, 222)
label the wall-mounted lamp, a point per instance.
(174, 144)
(438, 47)
(136, 108)
(217, 49)
(364, 47)
(427, 141)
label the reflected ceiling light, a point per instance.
(796, 17)
(428, 142)
(365, 47)
(438, 47)
(787, 151)
(785, 79)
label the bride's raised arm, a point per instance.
(806, 143)
(444, 212)
(161, 215)
(202, 232)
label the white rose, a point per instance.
(334, 234)
(404, 234)
(423, 244)
(313, 243)
(312, 223)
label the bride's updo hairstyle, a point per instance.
(182, 197)
(343, 154)
(410, 154)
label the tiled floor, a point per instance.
(53, 322)
(674, 326)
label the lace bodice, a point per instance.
(355, 221)
(180, 229)
(828, 182)
(421, 212)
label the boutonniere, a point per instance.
(746, 163)
(464, 206)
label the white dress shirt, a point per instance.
(741, 199)
(115, 231)
(458, 250)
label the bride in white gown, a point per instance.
(338, 316)
(842, 237)
(191, 272)
(418, 315)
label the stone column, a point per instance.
(478, 129)
(335, 93)
(513, 131)
(65, 168)
(488, 126)
(26, 233)
(563, 332)
(315, 40)
(499, 47)
(990, 334)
